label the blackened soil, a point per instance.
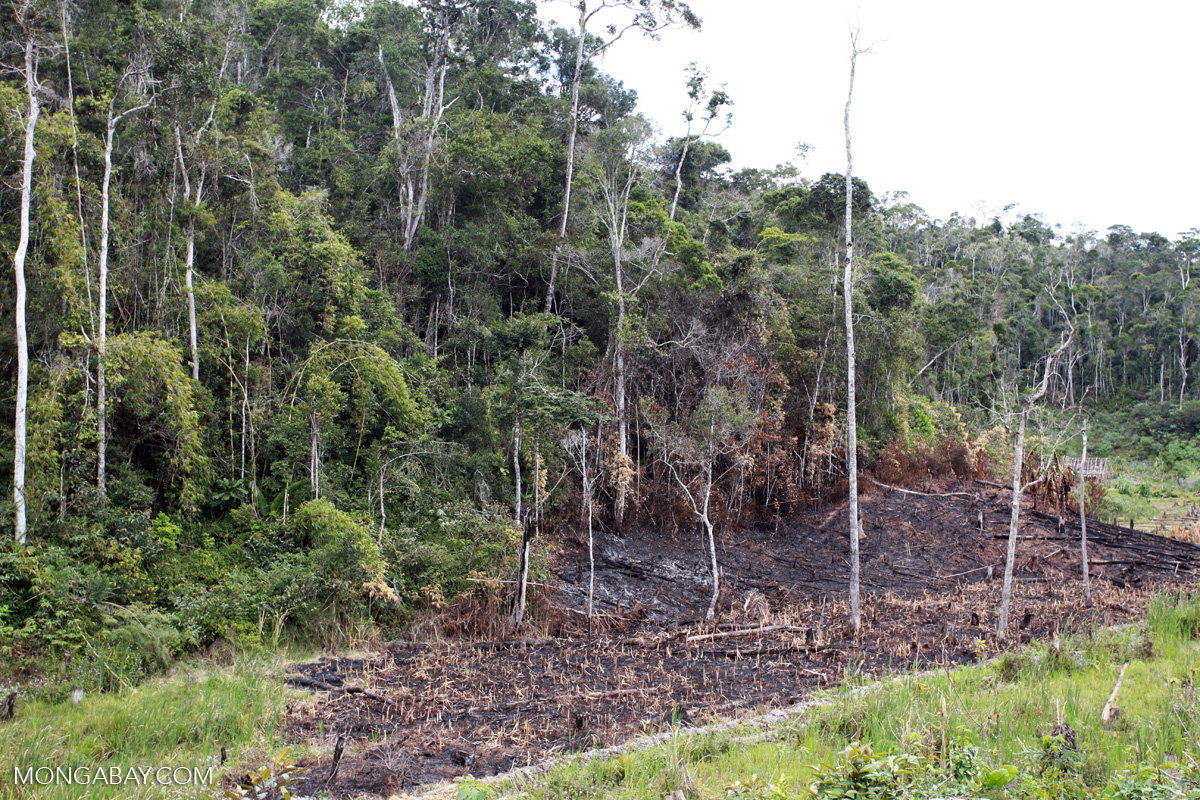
(419, 713)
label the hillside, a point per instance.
(449, 708)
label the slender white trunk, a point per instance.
(1087, 582)
(1013, 522)
(102, 313)
(517, 469)
(712, 543)
(314, 456)
(566, 209)
(624, 463)
(851, 415)
(687, 141)
(382, 507)
(190, 252)
(1183, 365)
(20, 420)
(587, 498)
(1017, 488)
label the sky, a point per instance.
(1083, 112)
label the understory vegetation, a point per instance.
(1026, 724)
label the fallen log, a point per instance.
(704, 637)
(565, 698)
(1110, 712)
(891, 488)
(765, 650)
(312, 683)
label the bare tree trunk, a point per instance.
(851, 412)
(587, 498)
(1183, 365)
(102, 315)
(1013, 522)
(190, 253)
(712, 543)
(1017, 488)
(20, 421)
(518, 614)
(314, 455)
(579, 449)
(566, 209)
(517, 468)
(1087, 582)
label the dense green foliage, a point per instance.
(372, 193)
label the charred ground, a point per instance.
(418, 713)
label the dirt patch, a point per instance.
(421, 713)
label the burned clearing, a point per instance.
(418, 713)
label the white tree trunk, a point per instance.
(517, 469)
(102, 314)
(587, 498)
(712, 543)
(20, 421)
(1017, 488)
(1087, 582)
(190, 252)
(1013, 522)
(574, 132)
(851, 412)
(1183, 365)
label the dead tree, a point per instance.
(1087, 583)
(582, 450)
(851, 415)
(1017, 488)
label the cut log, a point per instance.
(704, 637)
(1110, 712)
(312, 683)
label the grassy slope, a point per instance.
(177, 721)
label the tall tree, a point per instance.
(137, 75)
(651, 17)
(851, 399)
(712, 109)
(26, 15)
(1083, 553)
(618, 162)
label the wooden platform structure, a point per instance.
(1093, 468)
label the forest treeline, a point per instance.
(329, 307)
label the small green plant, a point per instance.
(755, 788)
(470, 789)
(862, 773)
(275, 780)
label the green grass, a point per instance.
(996, 714)
(177, 721)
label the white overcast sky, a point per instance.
(1084, 112)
